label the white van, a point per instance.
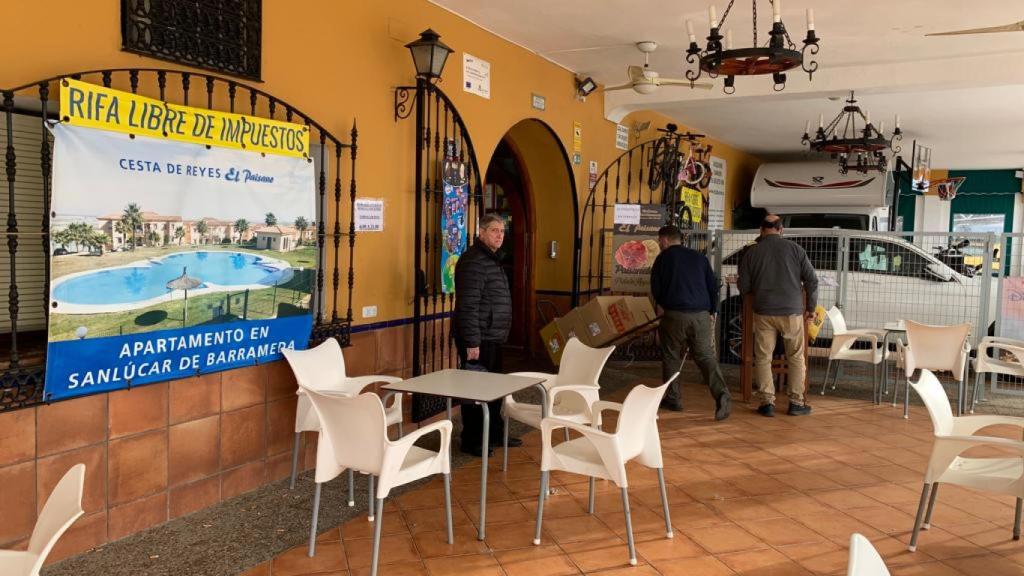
(816, 195)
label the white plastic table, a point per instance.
(478, 387)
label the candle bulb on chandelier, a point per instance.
(728, 40)
(712, 16)
(807, 127)
(867, 118)
(777, 10)
(689, 31)
(821, 120)
(881, 128)
(810, 18)
(897, 121)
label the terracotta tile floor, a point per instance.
(747, 496)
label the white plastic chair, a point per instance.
(62, 508)
(995, 364)
(954, 435)
(864, 559)
(355, 436)
(570, 393)
(842, 349)
(323, 368)
(603, 455)
(937, 348)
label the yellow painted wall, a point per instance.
(341, 60)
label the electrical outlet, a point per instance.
(369, 311)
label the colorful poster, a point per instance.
(453, 221)
(634, 248)
(172, 258)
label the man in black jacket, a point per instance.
(481, 323)
(685, 287)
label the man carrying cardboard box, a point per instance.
(686, 288)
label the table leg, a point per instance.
(485, 448)
(448, 408)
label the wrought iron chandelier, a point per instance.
(780, 55)
(863, 148)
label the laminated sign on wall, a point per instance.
(716, 194)
(195, 252)
(476, 76)
(369, 215)
(634, 248)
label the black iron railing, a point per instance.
(22, 366)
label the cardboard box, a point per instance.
(603, 318)
(558, 332)
(553, 341)
(641, 309)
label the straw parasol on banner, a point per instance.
(186, 283)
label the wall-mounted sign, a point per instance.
(173, 259)
(476, 76)
(577, 158)
(538, 102)
(621, 137)
(369, 215)
(634, 248)
(627, 214)
(577, 136)
(716, 194)
(592, 175)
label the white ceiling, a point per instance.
(961, 95)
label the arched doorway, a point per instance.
(529, 181)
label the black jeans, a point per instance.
(473, 414)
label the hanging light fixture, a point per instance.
(776, 58)
(862, 148)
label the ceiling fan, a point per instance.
(644, 80)
(1015, 27)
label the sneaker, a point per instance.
(798, 409)
(767, 410)
(723, 407)
(672, 405)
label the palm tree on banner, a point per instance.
(202, 229)
(132, 219)
(270, 219)
(242, 226)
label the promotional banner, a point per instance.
(453, 221)
(634, 248)
(171, 259)
(716, 194)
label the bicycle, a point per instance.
(668, 168)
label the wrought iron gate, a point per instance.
(26, 212)
(439, 128)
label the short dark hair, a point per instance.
(670, 233)
(767, 224)
(487, 219)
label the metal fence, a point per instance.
(876, 278)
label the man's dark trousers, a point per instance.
(679, 331)
(473, 414)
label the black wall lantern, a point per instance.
(429, 54)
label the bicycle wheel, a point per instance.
(693, 172)
(684, 220)
(654, 166)
(705, 180)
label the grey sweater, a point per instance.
(775, 270)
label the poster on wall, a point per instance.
(369, 215)
(476, 76)
(182, 241)
(621, 137)
(1011, 309)
(716, 194)
(634, 248)
(453, 220)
